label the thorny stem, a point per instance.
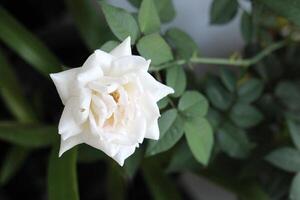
(245, 63)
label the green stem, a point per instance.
(245, 63)
(220, 61)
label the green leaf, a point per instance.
(246, 26)
(89, 22)
(294, 129)
(182, 160)
(234, 141)
(87, 154)
(166, 120)
(12, 163)
(214, 117)
(148, 17)
(176, 79)
(250, 90)
(251, 191)
(218, 95)
(184, 44)
(268, 105)
(11, 93)
(136, 3)
(154, 47)
(295, 192)
(292, 115)
(163, 103)
(160, 186)
(171, 130)
(245, 116)
(165, 9)
(8, 79)
(115, 187)
(133, 162)
(229, 79)
(193, 104)
(109, 45)
(289, 9)
(223, 11)
(62, 177)
(29, 47)
(285, 158)
(28, 135)
(200, 138)
(289, 94)
(121, 22)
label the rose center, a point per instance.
(116, 96)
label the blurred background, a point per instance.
(52, 22)
(64, 29)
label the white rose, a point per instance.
(110, 103)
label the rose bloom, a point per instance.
(110, 103)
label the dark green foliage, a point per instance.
(223, 11)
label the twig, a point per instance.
(245, 63)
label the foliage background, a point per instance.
(238, 128)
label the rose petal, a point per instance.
(67, 125)
(88, 74)
(111, 105)
(81, 107)
(151, 112)
(128, 64)
(123, 49)
(93, 125)
(133, 134)
(108, 148)
(134, 86)
(123, 100)
(103, 60)
(94, 67)
(124, 152)
(69, 143)
(155, 88)
(100, 110)
(63, 82)
(153, 130)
